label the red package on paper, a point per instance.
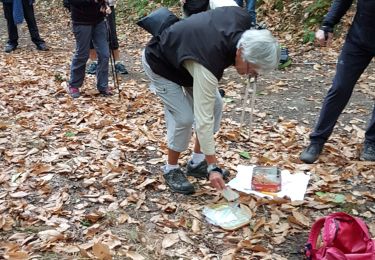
(266, 179)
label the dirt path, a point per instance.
(90, 168)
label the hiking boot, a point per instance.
(106, 92)
(74, 92)
(10, 47)
(91, 69)
(311, 153)
(42, 47)
(199, 171)
(120, 68)
(177, 182)
(368, 152)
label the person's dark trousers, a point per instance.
(352, 61)
(30, 20)
(83, 35)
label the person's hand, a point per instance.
(217, 180)
(323, 38)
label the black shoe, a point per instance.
(10, 47)
(120, 68)
(178, 182)
(42, 47)
(368, 152)
(311, 153)
(199, 171)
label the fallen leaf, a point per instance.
(170, 239)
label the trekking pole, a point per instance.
(244, 103)
(112, 57)
(252, 104)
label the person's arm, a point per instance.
(220, 3)
(325, 33)
(205, 86)
(336, 12)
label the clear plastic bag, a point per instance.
(229, 216)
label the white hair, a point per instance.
(260, 48)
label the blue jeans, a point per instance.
(250, 7)
(83, 35)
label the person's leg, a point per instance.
(370, 131)
(178, 106)
(102, 50)
(250, 7)
(368, 151)
(92, 54)
(12, 28)
(351, 64)
(28, 11)
(82, 34)
(239, 2)
(114, 45)
(93, 65)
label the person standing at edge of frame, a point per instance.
(14, 12)
(356, 55)
(88, 24)
(114, 46)
(185, 63)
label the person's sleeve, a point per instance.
(220, 3)
(336, 12)
(205, 86)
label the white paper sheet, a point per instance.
(292, 185)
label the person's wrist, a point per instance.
(213, 168)
(327, 28)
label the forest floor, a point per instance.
(81, 179)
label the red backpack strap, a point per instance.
(310, 247)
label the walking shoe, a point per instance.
(42, 47)
(200, 171)
(91, 69)
(74, 92)
(177, 182)
(368, 152)
(120, 68)
(311, 153)
(10, 47)
(106, 92)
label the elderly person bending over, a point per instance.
(185, 63)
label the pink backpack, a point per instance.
(343, 238)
